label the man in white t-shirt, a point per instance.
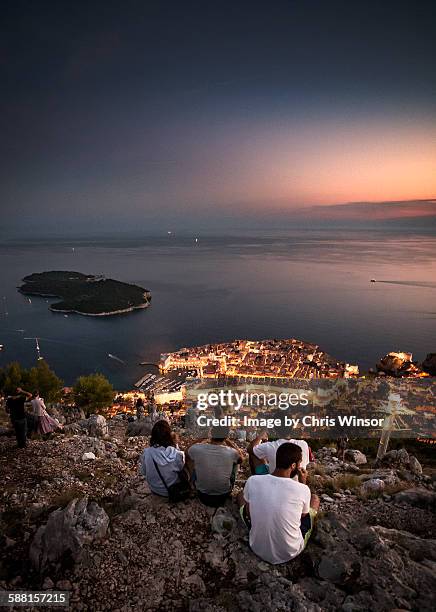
(278, 510)
(262, 455)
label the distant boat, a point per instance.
(29, 300)
(2, 346)
(38, 350)
(66, 316)
(115, 357)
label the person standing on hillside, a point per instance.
(17, 414)
(44, 423)
(140, 410)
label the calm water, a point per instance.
(313, 286)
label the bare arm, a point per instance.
(231, 444)
(26, 393)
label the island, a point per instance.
(86, 294)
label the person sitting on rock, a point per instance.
(162, 463)
(278, 510)
(262, 454)
(213, 464)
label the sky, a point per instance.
(155, 116)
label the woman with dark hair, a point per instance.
(162, 462)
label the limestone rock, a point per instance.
(372, 485)
(223, 522)
(355, 456)
(96, 426)
(88, 457)
(417, 497)
(67, 531)
(414, 466)
(142, 427)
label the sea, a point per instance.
(306, 284)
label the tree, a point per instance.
(93, 393)
(41, 378)
(11, 377)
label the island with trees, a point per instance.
(86, 294)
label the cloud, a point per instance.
(371, 211)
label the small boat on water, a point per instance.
(2, 346)
(115, 358)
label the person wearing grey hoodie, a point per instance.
(163, 452)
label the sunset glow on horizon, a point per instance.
(168, 116)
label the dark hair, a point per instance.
(35, 394)
(287, 454)
(219, 433)
(139, 401)
(161, 434)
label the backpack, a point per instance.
(179, 491)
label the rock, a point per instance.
(140, 428)
(73, 428)
(355, 456)
(372, 485)
(327, 498)
(196, 580)
(48, 584)
(88, 457)
(131, 518)
(68, 530)
(64, 585)
(223, 522)
(96, 426)
(414, 465)
(417, 497)
(332, 568)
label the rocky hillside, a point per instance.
(76, 515)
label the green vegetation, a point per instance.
(86, 294)
(343, 482)
(93, 393)
(39, 378)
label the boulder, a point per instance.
(66, 532)
(88, 457)
(421, 498)
(95, 426)
(373, 485)
(142, 427)
(223, 522)
(414, 466)
(332, 568)
(401, 460)
(327, 498)
(355, 456)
